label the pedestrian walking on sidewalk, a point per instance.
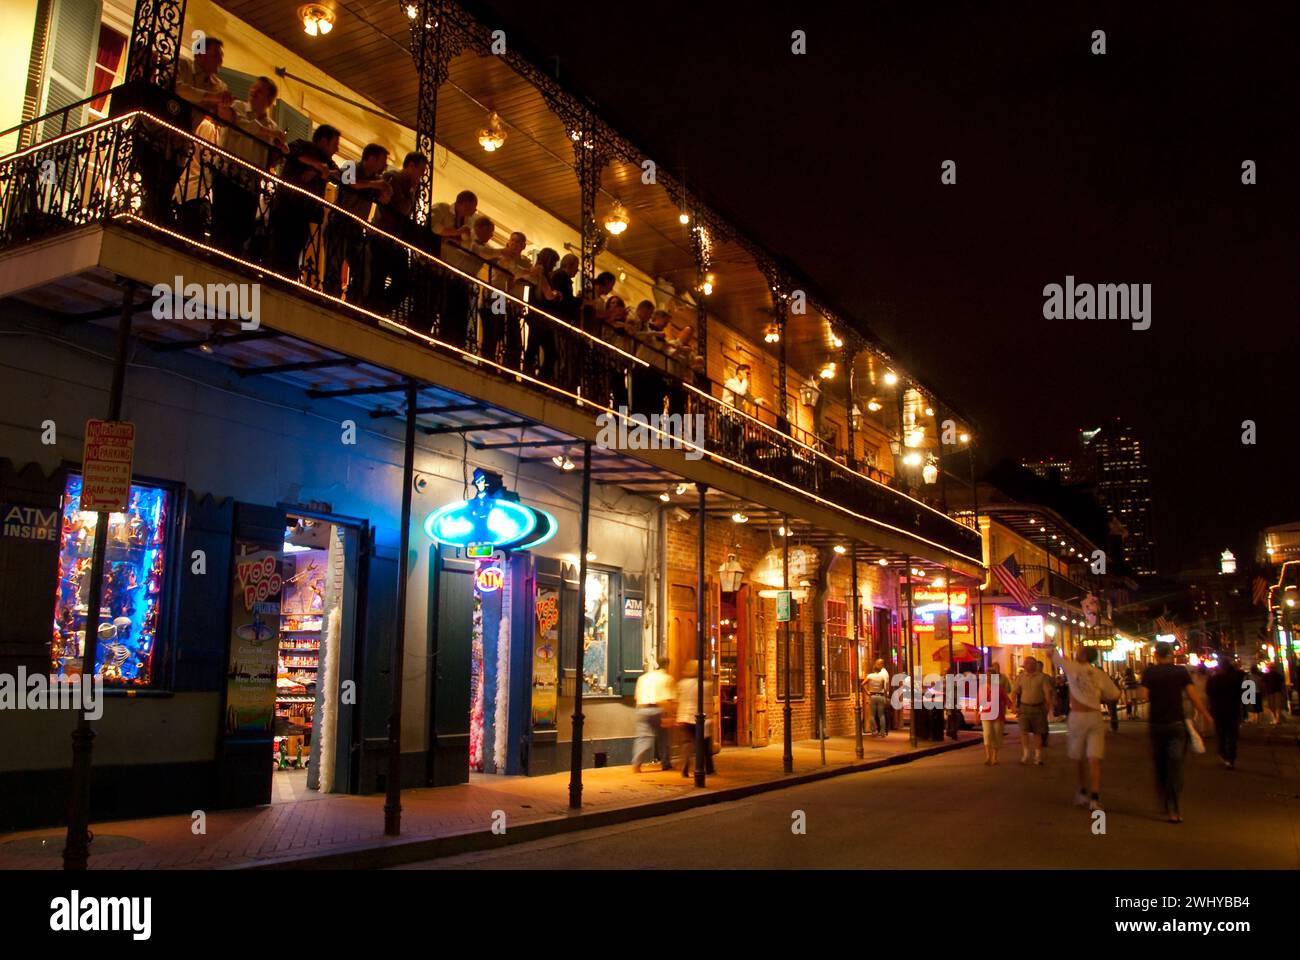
(1274, 687)
(1255, 708)
(654, 696)
(1166, 683)
(1033, 695)
(877, 684)
(1130, 692)
(1223, 690)
(687, 692)
(1085, 726)
(994, 701)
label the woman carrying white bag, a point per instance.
(1165, 685)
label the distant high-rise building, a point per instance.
(1113, 461)
(1051, 468)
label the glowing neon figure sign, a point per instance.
(493, 520)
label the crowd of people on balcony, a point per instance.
(445, 273)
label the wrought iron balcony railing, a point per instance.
(141, 172)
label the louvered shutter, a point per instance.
(69, 68)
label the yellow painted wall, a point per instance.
(17, 25)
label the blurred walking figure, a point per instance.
(654, 695)
(1223, 690)
(687, 704)
(1165, 683)
(1033, 694)
(1274, 686)
(1130, 692)
(877, 683)
(1085, 727)
(1255, 708)
(993, 713)
(1200, 680)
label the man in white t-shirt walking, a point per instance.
(1085, 729)
(655, 692)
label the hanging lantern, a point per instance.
(730, 574)
(856, 418)
(809, 394)
(616, 220)
(492, 137)
(930, 472)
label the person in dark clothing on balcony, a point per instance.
(539, 352)
(310, 167)
(389, 259)
(568, 308)
(345, 238)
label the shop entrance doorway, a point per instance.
(742, 680)
(316, 692)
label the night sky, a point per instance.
(1122, 168)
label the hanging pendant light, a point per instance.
(492, 137)
(316, 20)
(616, 220)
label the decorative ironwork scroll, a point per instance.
(155, 42)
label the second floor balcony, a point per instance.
(136, 173)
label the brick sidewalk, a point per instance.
(347, 831)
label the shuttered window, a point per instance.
(69, 68)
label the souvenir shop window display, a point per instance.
(301, 623)
(595, 643)
(134, 569)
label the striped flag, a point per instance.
(1008, 574)
(1259, 591)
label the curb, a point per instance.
(373, 855)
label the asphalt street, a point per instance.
(953, 811)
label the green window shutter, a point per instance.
(296, 125)
(631, 600)
(238, 83)
(69, 67)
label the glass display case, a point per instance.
(133, 587)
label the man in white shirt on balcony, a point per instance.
(252, 136)
(1086, 725)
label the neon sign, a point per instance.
(928, 602)
(1014, 631)
(490, 579)
(493, 520)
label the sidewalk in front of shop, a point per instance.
(336, 831)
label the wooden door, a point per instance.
(754, 640)
(681, 621)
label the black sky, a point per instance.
(1122, 168)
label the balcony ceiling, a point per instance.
(368, 52)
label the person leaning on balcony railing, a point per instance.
(460, 295)
(310, 166)
(390, 272)
(345, 238)
(161, 157)
(539, 349)
(250, 134)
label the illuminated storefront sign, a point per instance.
(493, 520)
(928, 603)
(1013, 630)
(490, 579)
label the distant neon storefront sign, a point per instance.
(928, 603)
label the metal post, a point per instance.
(779, 308)
(701, 612)
(155, 43)
(435, 42)
(787, 759)
(911, 657)
(852, 457)
(393, 792)
(76, 850)
(575, 757)
(949, 724)
(857, 660)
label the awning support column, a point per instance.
(76, 850)
(584, 522)
(701, 630)
(393, 792)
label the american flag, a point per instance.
(1008, 574)
(1259, 591)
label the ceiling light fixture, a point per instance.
(316, 20)
(891, 378)
(739, 517)
(492, 136)
(616, 220)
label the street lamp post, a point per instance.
(857, 658)
(787, 759)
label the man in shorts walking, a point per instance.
(1033, 694)
(1085, 728)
